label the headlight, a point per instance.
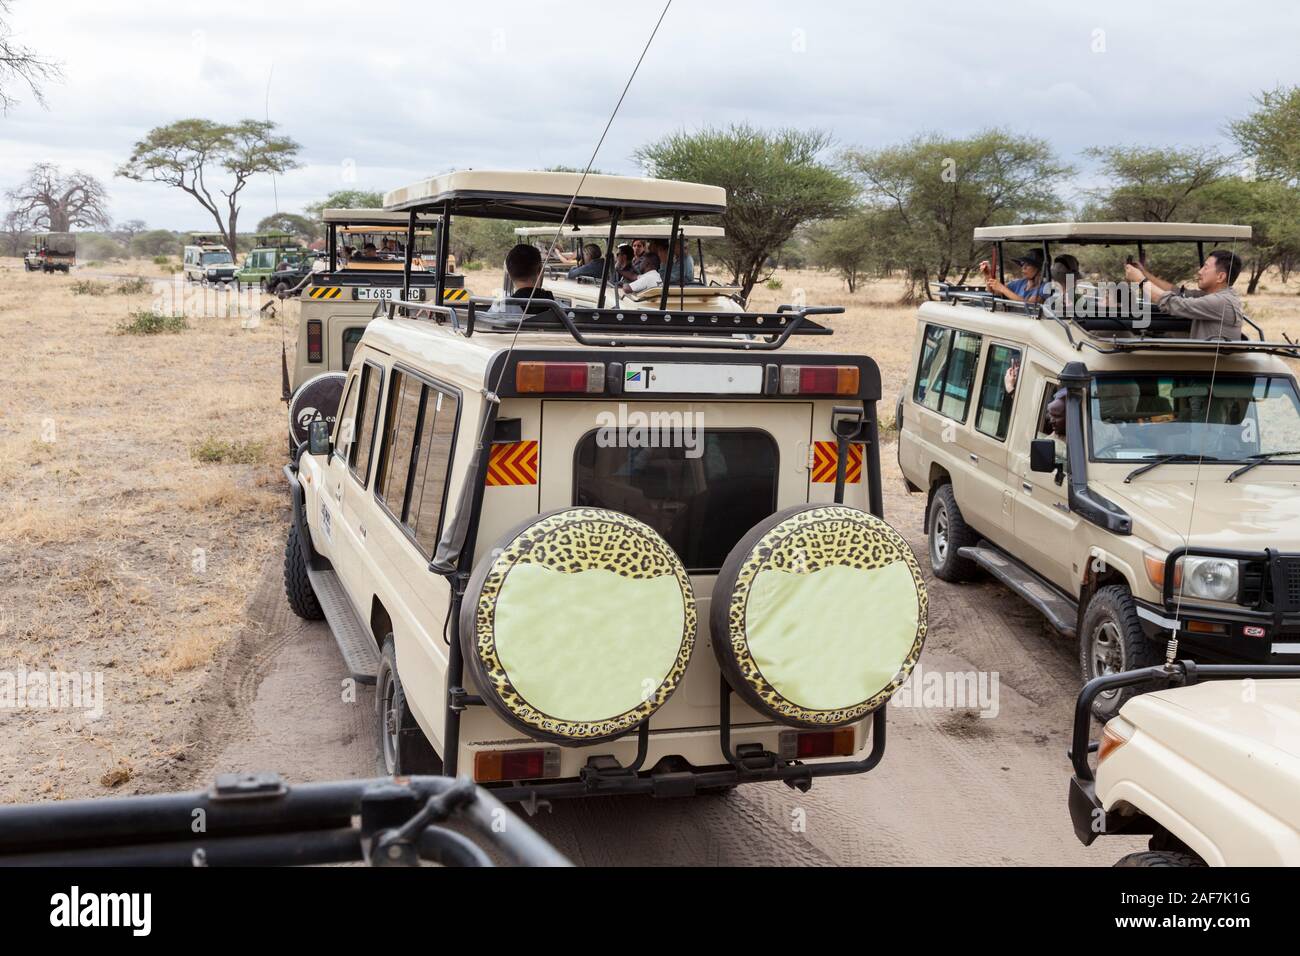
(1215, 579)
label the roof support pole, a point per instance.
(610, 248)
(440, 268)
(668, 267)
(332, 242)
(410, 253)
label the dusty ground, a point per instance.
(208, 671)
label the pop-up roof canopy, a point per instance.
(372, 217)
(545, 197)
(649, 231)
(1095, 233)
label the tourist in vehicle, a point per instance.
(683, 267)
(524, 267)
(1028, 288)
(593, 263)
(1214, 306)
(639, 249)
(650, 278)
(624, 269)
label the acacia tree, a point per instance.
(1271, 134)
(191, 153)
(20, 65)
(1154, 184)
(52, 201)
(775, 181)
(934, 191)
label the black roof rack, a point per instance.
(620, 328)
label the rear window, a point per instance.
(701, 505)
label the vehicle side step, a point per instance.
(1059, 610)
(352, 636)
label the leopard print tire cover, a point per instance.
(818, 615)
(579, 625)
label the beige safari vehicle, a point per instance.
(1208, 765)
(338, 301)
(207, 260)
(586, 550)
(1169, 506)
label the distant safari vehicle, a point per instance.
(588, 550)
(51, 252)
(1207, 764)
(270, 251)
(1130, 482)
(338, 301)
(206, 259)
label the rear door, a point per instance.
(700, 473)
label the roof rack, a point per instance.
(1093, 333)
(610, 328)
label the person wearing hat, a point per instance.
(1028, 288)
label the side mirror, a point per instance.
(318, 438)
(1042, 455)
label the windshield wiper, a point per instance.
(1264, 459)
(1164, 460)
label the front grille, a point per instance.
(1290, 599)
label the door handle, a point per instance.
(1029, 489)
(975, 458)
(361, 530)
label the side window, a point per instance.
(1046, 429)
(959, 376)
(359, 459)
(432, 459)
(350, 339)
(400, 426)
(998, 391)
(929, 373)
(346, 427)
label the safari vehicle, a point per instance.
(337, 304)
(526, 562)
(207, 259)
(1168, 507)
(256, 819)
(696, 292)
(1208, 765)
(270, 250)
(51, 252)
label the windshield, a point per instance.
(1137, 417)
(215, 258)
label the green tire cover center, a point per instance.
(579, 625)
(819, 615)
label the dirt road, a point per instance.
(954, 787)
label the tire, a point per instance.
(403, 748)
(281, 288)
(1111, 640)
(949, 533)
(297, 586)
(1148, 858)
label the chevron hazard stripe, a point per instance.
(455, 295)
(325, 292)
(513, 463)
(826, 457)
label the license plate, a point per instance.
(688, 378)
(384, 294)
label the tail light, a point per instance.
(805, 745)
(819, 380)
(585, 377)
(493, 766)
(314, 350)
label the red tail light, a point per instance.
(492, 766)
(819, 380)
(817, 743)
(314, 350)
(585, 377)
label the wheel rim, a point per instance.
(939, 535)
(1107, 653)
(388, 716)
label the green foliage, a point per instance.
(1271, 208)
(93, 245)
(190, 154)
(774, 284)
(302, 228)
(1153, 184)
(89, 287)
(152, 323)
(1271, 134)
(345, 199)
(162, 260)
(851, 246)
(482, 240)
(775, 181)
(134, 286)
(931, 192)
(155, 242)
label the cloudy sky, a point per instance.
(382, 93)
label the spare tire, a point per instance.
(578, 625)
(318, 397)
(818, 615)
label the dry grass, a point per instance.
(139, 500)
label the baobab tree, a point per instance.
(54, 202)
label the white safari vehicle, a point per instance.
(588, 550)
(338, 302)
(1209, 766)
